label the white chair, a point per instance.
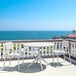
(60, 52)
(11, 53)
(22, 54)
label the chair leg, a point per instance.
(18, 63)
(4, 62)
(23, 61)
(53, 57)
(57, 60)
(10, 61)
(69, 58)
(64, 56)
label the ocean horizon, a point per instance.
(30, 35)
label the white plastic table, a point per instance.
(39, 45)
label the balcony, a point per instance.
(63, 69)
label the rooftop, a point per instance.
(64, 69)
(71, 35)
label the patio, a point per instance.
(63, 69)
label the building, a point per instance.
(68, 42)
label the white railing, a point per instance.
(17, 45)
(45, 52)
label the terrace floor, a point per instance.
(64, 69)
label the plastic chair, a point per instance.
(60, 52)
(11, 53)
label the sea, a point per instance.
(30, 35)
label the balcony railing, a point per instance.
(45, 53)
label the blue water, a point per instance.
(29, 35)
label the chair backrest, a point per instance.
(21, 51)
(34, 50)
(9, 47)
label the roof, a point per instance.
(71, 35)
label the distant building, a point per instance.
(69, 36)
(67, 42)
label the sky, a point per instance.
(37, 15)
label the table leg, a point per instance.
(37, 60)
(32, 62)
(41, 64)
(44, 60)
